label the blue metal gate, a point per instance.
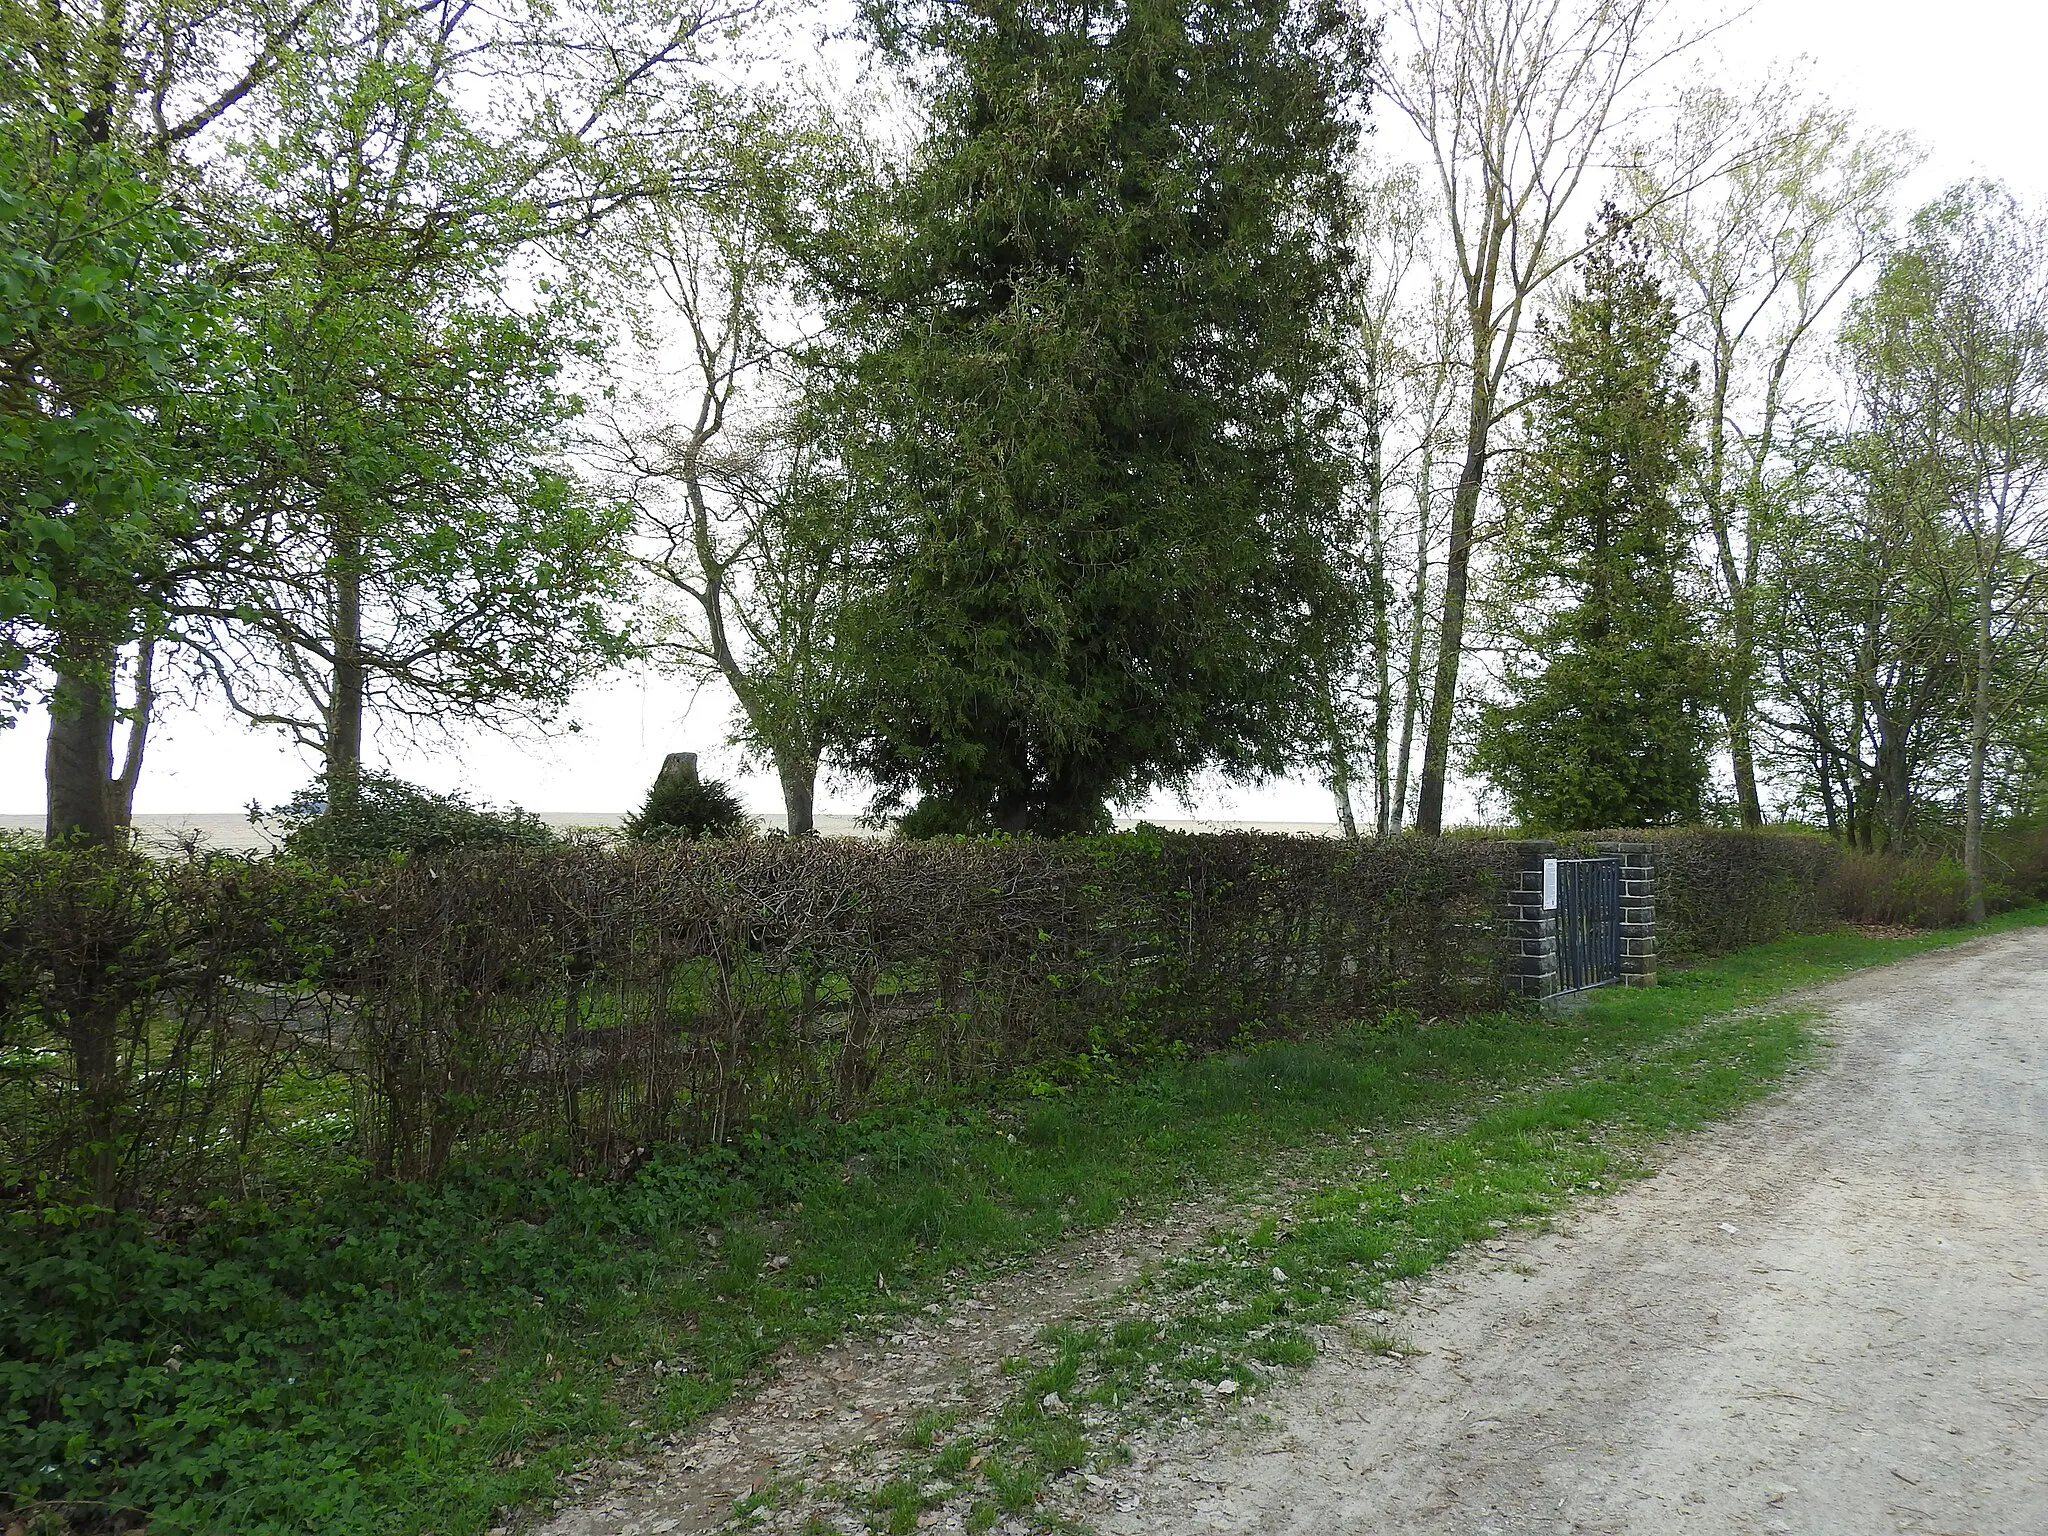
(1587, 898)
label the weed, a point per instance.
(1061, 1447)
(1374, 1342)
(1016, 1488)
(895, 1507)
(926, 1428)
(951, 1462)
(1285, 1346)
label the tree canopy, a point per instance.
(1094, 344)
(1603, 721)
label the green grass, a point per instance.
(1219, 1323)
(1231, 1316)
(409, 1360)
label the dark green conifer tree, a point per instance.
(1095, 334)
(1606, 686)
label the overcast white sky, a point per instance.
(1962, 76)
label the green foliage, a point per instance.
(687, 806)
(941, 815)
(1950, 351)
(1092, 327)
(113, 1079)
(105, 328)
(420, 546)
(1865, 602)
(1603, 725)
(384, 818)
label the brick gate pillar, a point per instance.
(1531, 926)
(1638, 912)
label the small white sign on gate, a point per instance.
(1550, 885)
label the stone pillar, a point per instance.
(677, 766)
(1638, 912)
(1531, 927)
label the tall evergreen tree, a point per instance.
(1091, 393)
(1607, 686)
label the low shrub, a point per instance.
(682, 805)
(386, 818)
(1924, 890)
(2018, 856)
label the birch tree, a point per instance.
(1759, 259)
(1398, 384)
(1514, 101)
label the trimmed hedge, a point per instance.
(1721, 889)
(173, 1028)
(167, 1028)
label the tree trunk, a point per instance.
(1382, 690)
(799, 776)
(1340, 770)
(1443, 695)
(78, 770)
(123, 787)
(1418, 629)
(1340, 792)
(1741, 707)
(1980, 738)
(1824, 775)
(1379, 603)
(1894, 781)
(1742, 750)
(1739, 704)
(350, 683)
(1740, 710)
(78, 763)
(93, 1028)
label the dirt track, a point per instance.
(1828, 1316)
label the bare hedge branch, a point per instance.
(169, 1028)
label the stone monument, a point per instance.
(676, 768)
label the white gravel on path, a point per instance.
(1827, 1316)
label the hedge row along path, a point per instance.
(1528, 1346)
(1828, 1315)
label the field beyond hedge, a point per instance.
(384, 1358)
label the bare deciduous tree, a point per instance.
(1758, 258)
(743, 513)
(1400, 379)
(1513, 100)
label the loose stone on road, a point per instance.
(1827, 1316)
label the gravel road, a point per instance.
(1830, 1315)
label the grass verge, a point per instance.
(412, 1360)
